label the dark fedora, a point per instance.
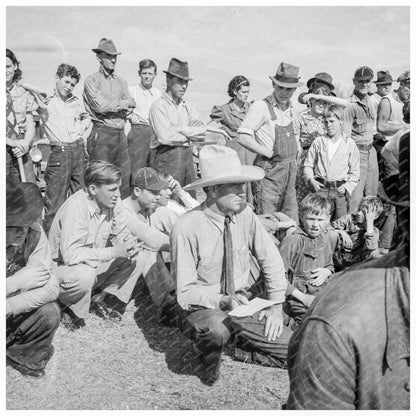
(395, 189)
(321, 78)
(383, 77)
(179, 69)
(107, 46)
(287, 76)
(23, 204)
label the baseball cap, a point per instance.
(363, 72)
(148, 178)
(404, 77)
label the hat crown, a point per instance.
(218, 161)
(287, 71)
(106, 45)
(323, 76)
(404, 77)
(148, 178)
(178, 68)
(383, 76)
(364, 72)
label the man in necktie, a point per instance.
(213, 248)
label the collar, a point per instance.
(272, 99)
(235, 107)
(355, 99)
(216, 219)
(93, 207)
(71, 97)
(105, 73)
(149, 90)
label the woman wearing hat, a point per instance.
(230, 116)
(23, 105)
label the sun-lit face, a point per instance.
(314, 224)
(105, 195)
(282, 94)
(404, 91)
(147, 76)
(362, 85)
(318, 107)
(10, 70)
(333, 125)
(147, 199)
(65, 86)
(177, 88)
(242, 93)
(383, 89)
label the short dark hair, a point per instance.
(18, 72)
(147, 63)
(100, 172)
(66, 70)
(336, 110)
(236, 83)
(314, 204)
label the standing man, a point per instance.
(144, 94)
(268, 131)
(65, 121)
(358, 124)
(211, 247)
(107, 100)
(175, 124)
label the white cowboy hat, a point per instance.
(220, 164)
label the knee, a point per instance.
(217, 332)
(80, 277)
(49, 316)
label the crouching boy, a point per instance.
(307, 254)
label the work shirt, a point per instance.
(144, 98)
(352, 349)
(25, 301)
(373, 103)
(344, 166)
(259, 124)
(230, 116)
(105, 96)
(359, 121)
(197, 250)
(81, 233)
(64, 121)
(23, 103)
(173, 123)
(153, 230)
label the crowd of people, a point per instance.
(309, 212)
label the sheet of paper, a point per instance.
(255, 305)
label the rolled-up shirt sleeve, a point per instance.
(309, 164)
(32, 299)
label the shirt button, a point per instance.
(407, 386)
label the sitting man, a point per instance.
(32, 315)
(211, 247)
(94, 249)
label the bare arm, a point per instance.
(383, 125)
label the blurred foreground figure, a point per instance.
(32, 315)
(352, 351)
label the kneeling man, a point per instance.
(212, 248)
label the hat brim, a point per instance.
(286, 84)
(248, 174)
(178, 76)
(102, 50)
(311, 80)
(383, 82)
(158, 186)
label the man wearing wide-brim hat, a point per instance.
(176, 124)
(31, 286)
(268, 131)
(108, 101)
(211, 248)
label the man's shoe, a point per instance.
(70, 321)
(211, 366)
(24, 370)
(103, 310)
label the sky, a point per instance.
(217, 42)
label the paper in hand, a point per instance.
(255, 305)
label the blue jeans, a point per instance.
(64, 172)
(337, 200)
(29, 336)
(368, 182)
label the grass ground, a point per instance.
(139, 364)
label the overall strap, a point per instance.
(270, 107)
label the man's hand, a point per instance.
(345, 238)
(128, 248)
(342, 190)
(32, 277)
(231, 302)
(370, 214)
(174, 185)
(315, 185)
(319, 276)
(274, 322)
(20, 148)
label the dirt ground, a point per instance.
(139, 364)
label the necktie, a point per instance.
(227, 278)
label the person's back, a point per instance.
(352, 343)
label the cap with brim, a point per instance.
(364, 72)
(24, 204)
(220, 165)
(148, 178)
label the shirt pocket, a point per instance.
(241, 260)
(360, 125)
